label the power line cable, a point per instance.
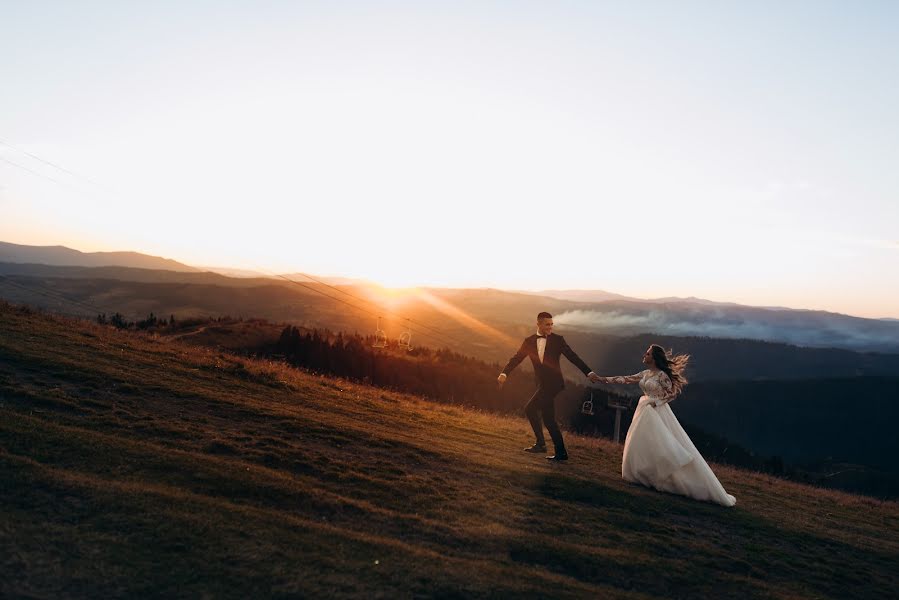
(52, 164)
(53, 294)
(41, 175)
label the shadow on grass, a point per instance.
(680, 548)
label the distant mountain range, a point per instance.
(595, 312)
(118, 273)
(580, 295)
(62, 256)
(604, 296)
(229, 272)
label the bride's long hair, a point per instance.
(672, 365)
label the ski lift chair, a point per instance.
(380, 337)
(587, 406)
(405, 341)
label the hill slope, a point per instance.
(139, 466)
(103, 275)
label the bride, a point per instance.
(657, 451)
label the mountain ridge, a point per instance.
(614, 314)
(65, 256)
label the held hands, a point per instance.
(593, 377)
(598, 379)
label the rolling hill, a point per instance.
(588, 311)
(62, 256)
(140, 466)
(108, 274)
(487, 324)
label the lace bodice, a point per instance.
(655, 385)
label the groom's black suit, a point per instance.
(549, 383)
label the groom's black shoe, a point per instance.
(558, 456)
(537, 449)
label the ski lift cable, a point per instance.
(33, 172)
(47, 162)
(49, 292)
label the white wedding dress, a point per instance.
(658, 452)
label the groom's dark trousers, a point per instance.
(550, 382)
(540, 410)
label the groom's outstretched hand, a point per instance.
(594, 377)
(501, 380)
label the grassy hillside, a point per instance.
(140, 466)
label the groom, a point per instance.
(544, 349)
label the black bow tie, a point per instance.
(541, 336)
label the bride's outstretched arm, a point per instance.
(622, 379)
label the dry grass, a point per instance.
(135, 466)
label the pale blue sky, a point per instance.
(736, 151)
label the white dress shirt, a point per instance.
(541, 347)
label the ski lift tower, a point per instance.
(619, 405)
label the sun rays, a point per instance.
(460, 316)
